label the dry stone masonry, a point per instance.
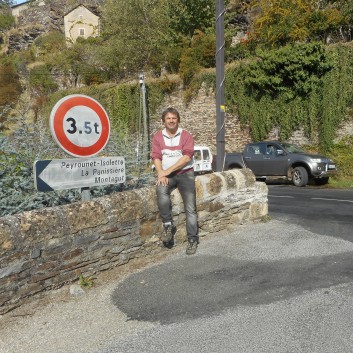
(45, 249)
(199, 117)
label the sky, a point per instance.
(20, 1)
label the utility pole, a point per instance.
(145, 149)
(220, 102)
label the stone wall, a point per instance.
(44, 249)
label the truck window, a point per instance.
(206, 155)
(197, 155)
(270, 149)
(254, 149)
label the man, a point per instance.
(172, 154)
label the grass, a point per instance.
(85, 282)
(341, 182)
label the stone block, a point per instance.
(83, 215)
(199, 189)
(9, 234)
(125, 206)
(258, 210)
(215, 206)
(5, 234)
(81, 239)
(40, 277)
(148, 228)
(41, 223)
(72, 254)
(29, 289)
(249, 177)
(215, 183)
(57, 248)
(230, 179)
(117, 249)
(45, 266)
(148, 200)
(130, 228)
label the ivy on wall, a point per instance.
(305, 85)
(297, 86)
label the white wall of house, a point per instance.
(81, 22)
(17, 9)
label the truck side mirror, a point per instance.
(279, 152)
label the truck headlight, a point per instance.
(316, 160)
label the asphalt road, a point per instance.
(320, 210)
(282, 286)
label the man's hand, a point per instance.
(162, 181)
(163, 173)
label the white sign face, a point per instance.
(61, 174)
(83, 132)
(80, 125)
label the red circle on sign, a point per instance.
(57, 125)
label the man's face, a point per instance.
(171, 122)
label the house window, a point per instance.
(81, 32)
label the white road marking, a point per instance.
(321, 198)
(288, 197)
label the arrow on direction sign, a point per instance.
(60, 174)
(39, 183)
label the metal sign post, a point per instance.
(145, 144)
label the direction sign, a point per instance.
(61, 174)
(80, 125)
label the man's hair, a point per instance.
(171, 110)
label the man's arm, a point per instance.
(176, 166)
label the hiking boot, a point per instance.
(169, 231)
(191, 247)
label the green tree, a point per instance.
(41, 80)
(200, 54)
(291, 70)
(6, 18)
(278, 22)
(10, 87)
(50, 43)
(6, 4)
(151, 34)
(135, 32)
(186, 16)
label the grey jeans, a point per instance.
(186, 185)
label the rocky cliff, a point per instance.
(42, 17)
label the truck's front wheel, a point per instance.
(300, 176)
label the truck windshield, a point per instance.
(289, 148)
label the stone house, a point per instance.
(81, 22)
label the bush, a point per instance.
(41, 80)
(200, 55)
(31, 142)
(342, 154)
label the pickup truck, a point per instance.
(274, 158)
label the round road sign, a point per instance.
(80, 125)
